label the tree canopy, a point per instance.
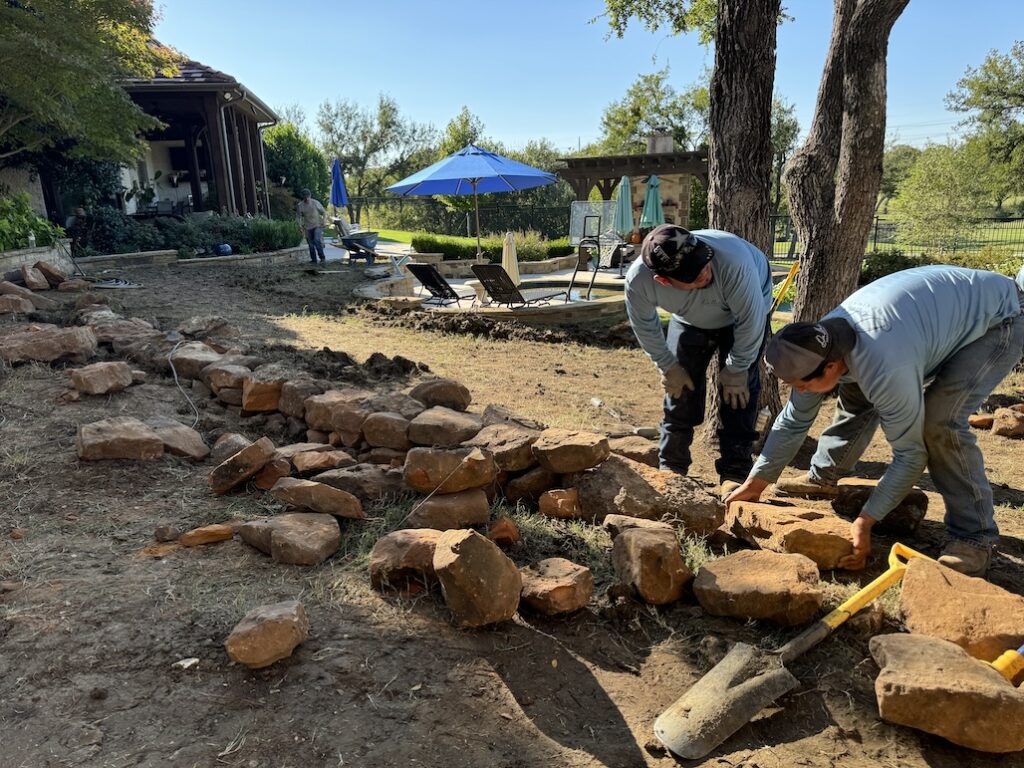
(86, 48)
(292, 155)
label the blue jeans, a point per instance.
(694, 348)
(315, 240)
(955, 462)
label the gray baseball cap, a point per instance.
(796, 351)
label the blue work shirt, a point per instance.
(740, 294)
(908, 324)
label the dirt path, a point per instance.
(91, 625)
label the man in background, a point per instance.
(311, 217)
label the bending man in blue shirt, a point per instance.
(917, 351)
(718, 288)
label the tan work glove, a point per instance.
(734, 388)
(675, 380)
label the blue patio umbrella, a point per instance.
(339, 195)
(652, 214)
(622, 216)
(474, 171)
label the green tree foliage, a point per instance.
(652, 105)
(939, 200)
(695, 15)
(463, 129)
(292, 155)
(993, 94)
(896, 164)
(785, 131)
(62, 63)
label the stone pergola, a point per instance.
(585, 173)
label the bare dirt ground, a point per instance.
(92, 622)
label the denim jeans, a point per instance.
(315, 240)
(955, 463)
(694, 348)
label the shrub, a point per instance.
(881, 263)
(530, 246)
(993, 258)
(270, 235)
(17, 219)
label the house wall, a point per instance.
(16, 180)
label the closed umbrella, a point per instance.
(509, 258)
(622, 216)
(652, 214)
(339, 195)
(473, 171)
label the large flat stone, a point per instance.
(445, 511)
(46, 343)
(445, 392)
(102, 378)
(119, 437)
(447, 471)
(760, 585)
(934, 686)
(443, 427)
(365, 481)
(180, 440)
(563, 450)
(318, 497)
(822, 537)
(241, 466)
(510, 444)
(555, 585)
(980, 617)
(636, 448)
(387, 430)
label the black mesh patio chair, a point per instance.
(502, 291)
(440, 290)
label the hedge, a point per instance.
(994, 259)
(529, 246)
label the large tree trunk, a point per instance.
(834, 178)
(740, 151)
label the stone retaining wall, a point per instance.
(286, 256)
(57, 255)
(464, 268)
(135, 259)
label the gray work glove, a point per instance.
(675, 380)
(734, 388)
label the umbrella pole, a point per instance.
(476, 205)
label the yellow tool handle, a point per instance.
(785, 287)
(1010, 664)
(899, 555)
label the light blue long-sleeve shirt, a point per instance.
(740, 294)
(908, 324)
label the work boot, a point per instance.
(806, 487)
(966, 558)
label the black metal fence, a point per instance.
(429, 215)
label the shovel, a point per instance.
(749, 679)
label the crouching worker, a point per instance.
(718, 288)
(918, 352)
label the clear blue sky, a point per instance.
(538, 68)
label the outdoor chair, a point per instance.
(440, 290)
(502, 291)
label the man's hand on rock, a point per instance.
(675, 380)
(750, 491)
(860, 535)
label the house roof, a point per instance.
(194, 76)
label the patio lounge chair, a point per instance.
(502, 291)
(440, 290)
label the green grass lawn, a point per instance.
(395, 235)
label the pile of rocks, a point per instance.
(19, 288)
(1005, 422)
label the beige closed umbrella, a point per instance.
(509, 258)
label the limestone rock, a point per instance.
(626, 487)
(388, 456)
(387, 430)
(297, 538)
(451, 510)
(983, 619)
(443, 427)
(556, 585)
(292, 450)
(760, 585)
(563, 451)
(230, 396)
(798, 486)
(208, 534)
(119, 437)
(481, 585)
(636, 448)
(402, 556)
(496, 414)
(1008, 422)
(272, 471)
(53, 275)
(318, 497)
(223, 375)
(268, 634)
(241, 466)
(365, 481)
(34, 279)
(46, 343)
(338, 410)
(531, 485)
(447, 471)
(316, 436)
(101, 378)
(444, 392)
(321, 461)
(294, 394)
(192, 357)
(616, 524)
(227, 445)
(15, 305)
(37, 300)
(261, 389)
(504, 532)
(560, 503)
(397, 402)
(934, 686)
(903, 520)
(981, 420)
(180, 440)
(511, 445)
(74, 286)
(824, 538)
(650, 562)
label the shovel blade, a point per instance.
(728, 697)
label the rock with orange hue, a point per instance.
(562, 451)
(401, 557)
(616, 524)
(46, 343)
(309, 462)
(822, 537)
(180, 440)
(443, 427)
(192, 357)
(101, 378)
(318, 497)
(504, 532)
(510, 444)
(272, 471)
(448, 470)
(268, 634)
(387, 430)
(444, 511)
(556, 585)
(636, 448)
(225, 376)
(481, 585)
(530, 485)
(227, 445)
(241, 466)
(1007, 422)
(560, 503)
(53, 275)
(208, 534)
(34, 279)
(444, 392)
(651, 563)
(981, 420)
(119, 437)
(261, 389)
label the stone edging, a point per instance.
(268, 259)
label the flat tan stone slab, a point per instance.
(822, 537)
(241, 466)
(318, 497)
(555, 585)
(448, 470)
(207, 534)
(563, 451)
(403, 556)
(102, 378)
(268, 634)
(119, 437)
